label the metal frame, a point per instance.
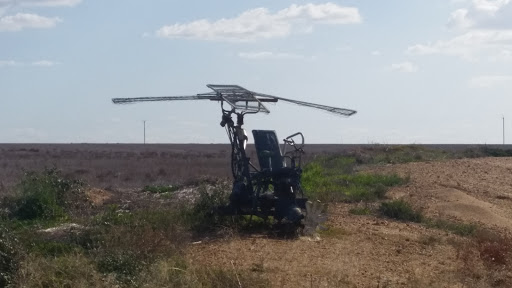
(233, 95)
(256, 191)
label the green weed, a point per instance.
(461, 229)
(495, 152)
(9, 256)
(53, 249)
(45, 195)
(125, 265)
(400, 210)
(333, 232)
(360, 211)
(384, 154)
(160, 189)
(204, 215)
(333, 180)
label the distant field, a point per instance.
(135, 165)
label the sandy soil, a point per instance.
(366, 251)
(470, 190)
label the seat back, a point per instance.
(267, 148)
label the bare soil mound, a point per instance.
(469, 190)
(367, 251)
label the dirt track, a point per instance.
(365, 251)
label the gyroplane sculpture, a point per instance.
(273, 188)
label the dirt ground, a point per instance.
(366, 251)
(356, 251)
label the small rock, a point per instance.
(63, 232)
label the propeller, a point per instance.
(239, 98)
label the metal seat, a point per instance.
(267, 148)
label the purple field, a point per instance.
(135, 165)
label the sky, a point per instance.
(417, 72)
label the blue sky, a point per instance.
(434, 71)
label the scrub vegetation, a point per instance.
(55, 233)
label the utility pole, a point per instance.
(144, 131)
(503, 130)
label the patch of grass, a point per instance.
(126, 270)
(428, 240)
(125, 265)
(203, 216)
(373, 180)
(494, 249)
(333, 232)
(333, 179)
(385, 154)
(495, 152)
(53, 249)
(360, 211)
(158, 219)
(258, 267)
(147, 233)
(169, 273)
(485, 151)
(9, 256)
(160, 189)
(113, 216)
(487, 257)
(400, 210)
(117, 247)
(73, 270)
(45, 195)
(461, 229)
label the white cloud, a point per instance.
(21, 21)
(489, 6)
(268, 55)
(44, 63)
(472, 45)
(259, 23)
(40, 63)
(459, 19)
(490, 81)
(376, 53)
(458, 1)
(405, 67)
(8, 63)
(483, 14)
(39, 3)
(485, 33)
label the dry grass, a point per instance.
(172, 273)
(138, 247)
(77, 270)
(73, 270)
(115, 247)
(495, 249)
(486, 259)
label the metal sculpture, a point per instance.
(273, 189)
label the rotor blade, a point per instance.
(165, 98)
(335, 110)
